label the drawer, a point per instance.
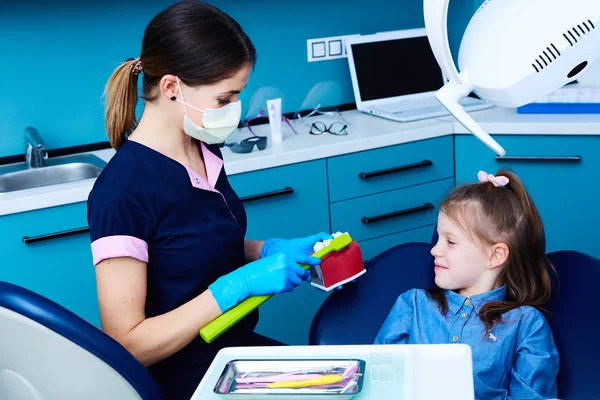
(390, 212)
(284, 202)
(558, 172)
(562, 157)
(54, 260)
(45, 222)
(375, 171)
(373, 247)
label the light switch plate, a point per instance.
(335, 47)
(330, 48)
(318, 49)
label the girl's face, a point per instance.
(460, 264)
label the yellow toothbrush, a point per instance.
(324, 380)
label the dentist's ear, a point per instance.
(168, 87)
(498, 256)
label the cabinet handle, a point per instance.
(266, 195)
(567, 159)
(407, 211)
(55, 235)
(367, 175)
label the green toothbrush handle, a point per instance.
(221, 324)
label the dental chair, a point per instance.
(572, 311)
(49, 353)
(355, 314)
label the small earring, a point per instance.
(173, 98)
(489, 264)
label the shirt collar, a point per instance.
(457, 301)
(213, 166)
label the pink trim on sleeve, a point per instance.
(119, 246)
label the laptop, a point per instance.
(395, 75)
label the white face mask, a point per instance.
(219, 123)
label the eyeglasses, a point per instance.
(247, 145)
(263, 113)
(336, 128)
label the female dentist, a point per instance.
(167, 229)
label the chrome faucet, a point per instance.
(35, 153)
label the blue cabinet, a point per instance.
(325, 195)
(358, 192)
(388, 196)
(286, 202)
(388, 168)
(387, 213)
(373, 247)
(558, 171)
(48, 251)
(382, 197)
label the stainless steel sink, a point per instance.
(55, 171)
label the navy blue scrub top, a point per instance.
(189, 231)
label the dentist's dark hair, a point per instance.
(489, 215)
(193, 40)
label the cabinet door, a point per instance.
(558, 171)
(389, 168)
(391, 212)
(286, 202)
(373, 247)
(48, 251)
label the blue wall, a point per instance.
(57, 55)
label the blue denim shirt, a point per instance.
(517, 360)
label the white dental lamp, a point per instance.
(513, 52)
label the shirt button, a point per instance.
(455, 339)
(464, 315)
(467, 302)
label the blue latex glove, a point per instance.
(274, 274)
(299, 249)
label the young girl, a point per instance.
(492, 274)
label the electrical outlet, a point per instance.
(330, 48)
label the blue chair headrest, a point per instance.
(69, 325)
(571, 317)
(354, 314)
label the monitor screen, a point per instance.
(395, 67)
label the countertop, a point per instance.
(364, 132)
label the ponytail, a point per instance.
(121, 100)
(527, 273)
(530, 211)
(532, 288)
